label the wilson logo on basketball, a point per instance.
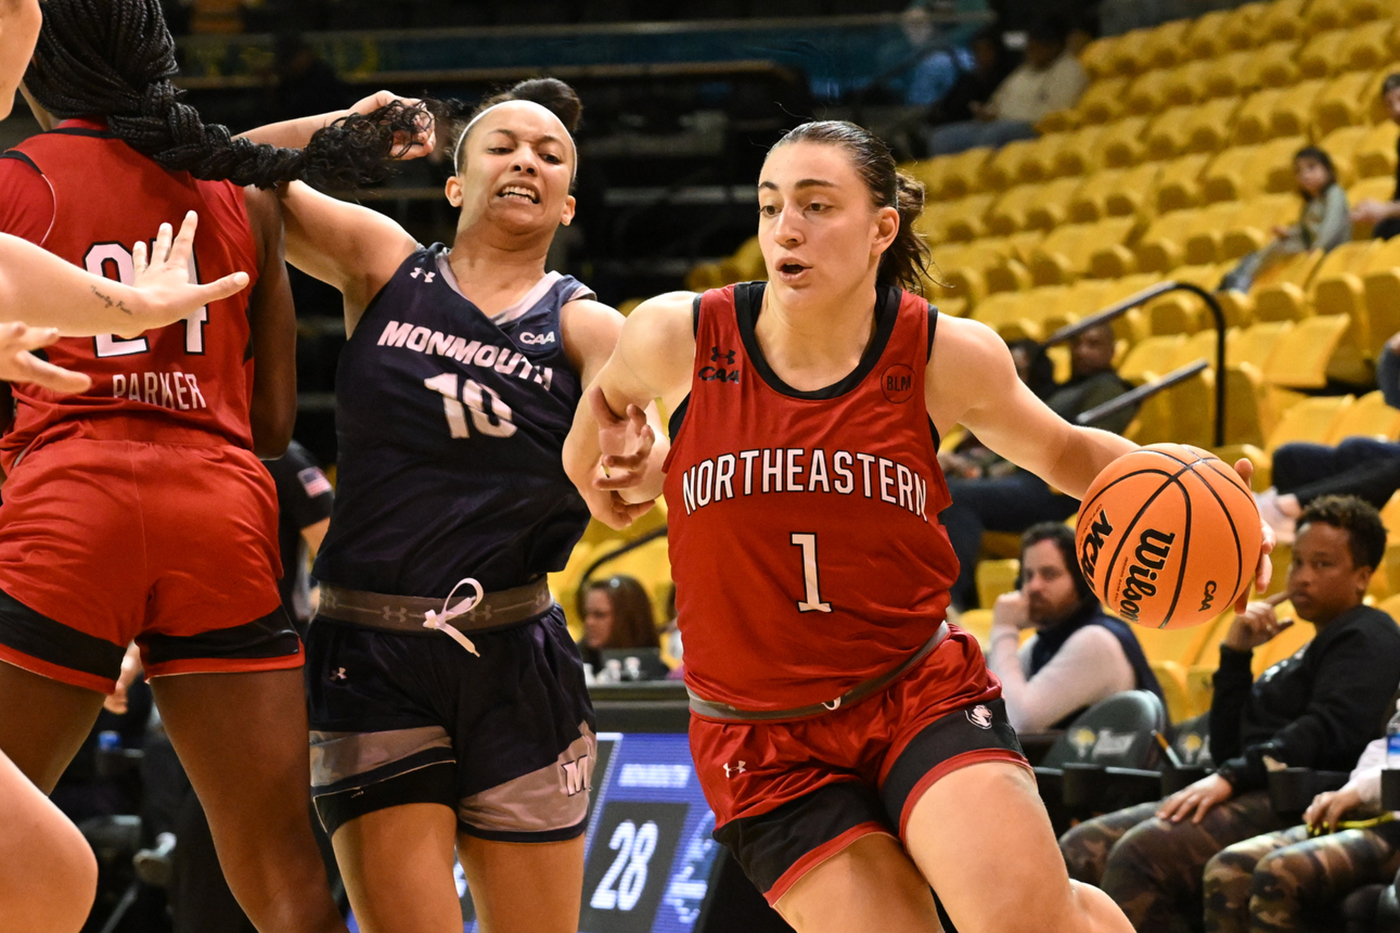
(1151, 556)
(1093, 543)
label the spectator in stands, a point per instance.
(304, 501)
(1078, 655)
(1275, 881)
(1384, 214)
(1359, 466)
(617, 613)
(1015, 501)
(1324, 224)
(992, 62)
(306, 82)
(1049, 79)
(1316, 709)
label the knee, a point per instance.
(1227, 878)
(1278, 877)
(1084, 852)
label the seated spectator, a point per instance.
(969, 458)
(1324, 224)
(304, 501)
(1276, 881)
(1359, 466)
(617, 613)
(1015, 501)
(1384, 214)
(1049, 79)
(1079, 654)
(992, 62)
(1316, 709)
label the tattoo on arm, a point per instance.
(111, 302)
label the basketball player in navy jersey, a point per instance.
(435, 728)
(852, 744)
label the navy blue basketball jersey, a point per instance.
(451, 426)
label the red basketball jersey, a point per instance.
(105, 196)
(804, 533)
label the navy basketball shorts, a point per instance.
(789, 795)
(505, 739)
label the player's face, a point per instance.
(19, 30)
(597, 618)
(817, 225)
(1323, 579)
(514, 171)
(1046, 583)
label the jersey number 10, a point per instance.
(490, 414)
(114, 261)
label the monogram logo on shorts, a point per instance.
(980, 716)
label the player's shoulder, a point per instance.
(669, 311)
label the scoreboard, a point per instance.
(649, 860)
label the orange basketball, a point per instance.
(1168, 536)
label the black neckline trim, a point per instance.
(83, 131)
(21, 157)
(748, 302)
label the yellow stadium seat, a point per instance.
(1066, 252)
(1309, 420)
(1292, 111)
(1102, 101)
(1368, 416)
(1179, 185)
(1151, 358)
(1148, 94)
(1080, 152)
(959, 173)
(1252, 227)
(1121, 144)
(1212, 222)
(1115, 193)
(1240, 27)
(1195, 128)
(1164, 46)
(995, 577)
(1368, 46)
(1304, 354)
(1254, 119)
(1281, 19)
(1255, 344)
(1334, 14)
(1380, 188)
(1186, 83)
(1245, 171)
(1289, 301)
(1016, 163)
(1375, 154)
(1341, 145)
(1211, 36)
(1008, 213)
(1052, 207)
(1291, 275)
(963, 219)
(1346, 101)
(1183, 312)
(1381, 283)
(1233, 75)
(977, 623)
(1272, 65)
(1199, 674)
(1097, 57)
(1322, 54)
(1341, 289)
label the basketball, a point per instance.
(1168, 536)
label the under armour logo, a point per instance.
(727, 356)
(731, 770)
(832, 704)
(393, 614)
(427, 276)
(338, 675)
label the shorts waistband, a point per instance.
(712, 710)
(498, 610)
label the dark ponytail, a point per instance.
(906, 261)
(115, 59)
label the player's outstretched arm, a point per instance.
(971, 380)
(43, 290)
(616, 420)
(353, 248)
(295, 134)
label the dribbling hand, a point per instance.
(17, 364)
(165, 293)
(1263, 570)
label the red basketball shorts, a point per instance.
(790, 795)
(171, 544)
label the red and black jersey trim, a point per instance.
(748, 303)
(678, 416)
(34, 634)
(272, 636)
(21, 157)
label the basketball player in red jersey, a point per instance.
(853, 746)
(137, 510)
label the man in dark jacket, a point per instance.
(1317, 709)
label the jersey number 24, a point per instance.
(114, 261)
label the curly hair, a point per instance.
(905, 263)
(1358, 518)
(115, 59)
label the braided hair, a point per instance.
(116, 58)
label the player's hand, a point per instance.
(17, 364)
(165, 293)
(1328, 807)
(424, 139)
(1264, 569)
(1196, 800)
(1257, 624)
(1012, 609)
(116, 701)
(626, 443)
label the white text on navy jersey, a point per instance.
(504, 360)
(797, 469)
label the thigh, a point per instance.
(397, 864)
(45, 722)
(982, 838)
(1301, 463)
(1321, 870)
(1086, 846)
(524, 887)
(871, 886)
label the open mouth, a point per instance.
(521, 192)
(791, 269)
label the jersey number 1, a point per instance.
(811, 580)
(114, 261)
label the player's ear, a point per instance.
(453, 189)
(567, 217)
